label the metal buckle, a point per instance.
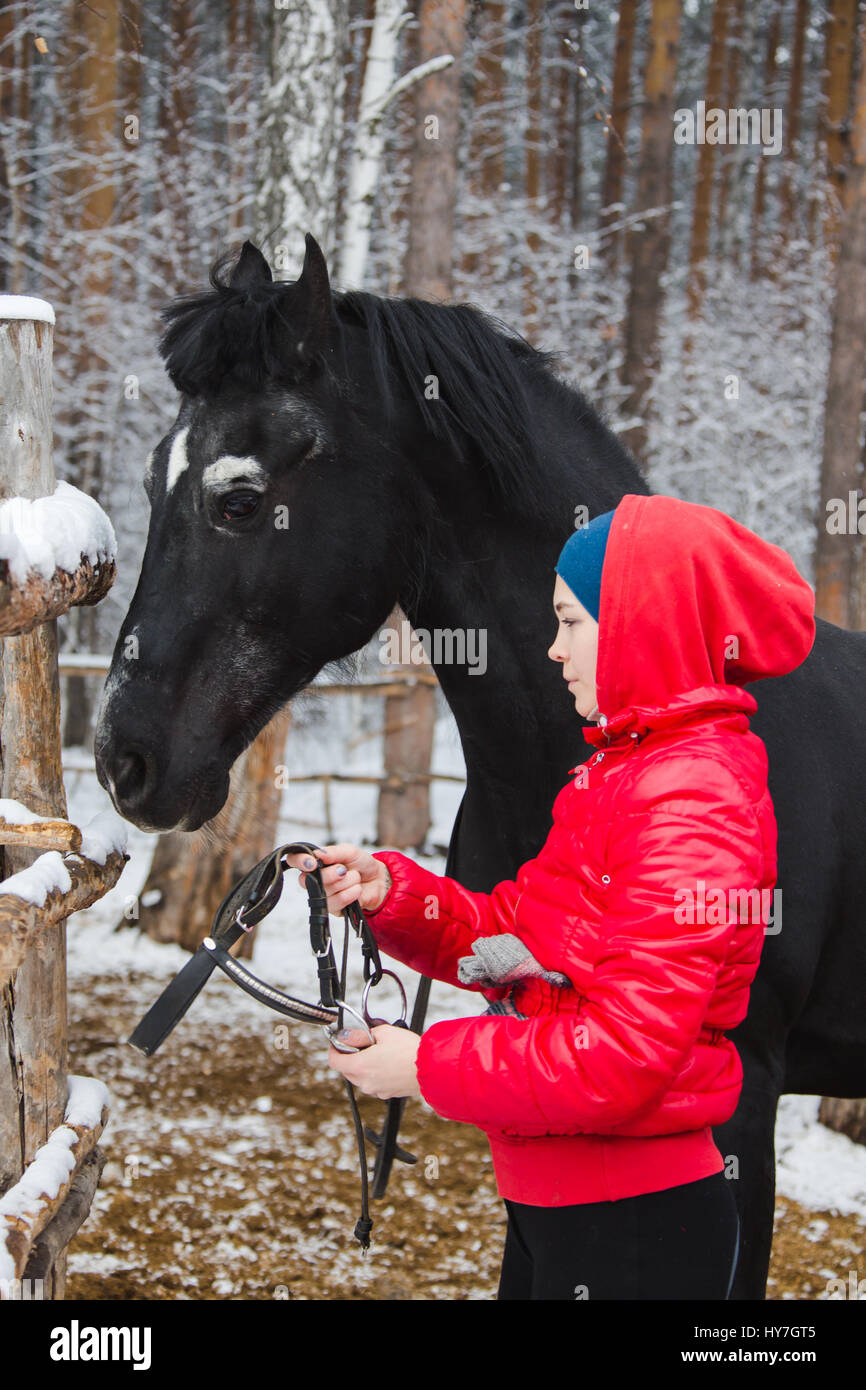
(266, 901)
(237, 918)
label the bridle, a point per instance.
(251, 899)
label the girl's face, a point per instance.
(576, 646)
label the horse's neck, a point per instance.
(518, 727)
(491, 571)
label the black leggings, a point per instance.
(680, 1243)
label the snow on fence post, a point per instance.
(34, 1089)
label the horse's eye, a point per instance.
(238, 504)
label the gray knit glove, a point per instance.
(502, 960)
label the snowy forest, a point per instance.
(139, 142)
(667, 195)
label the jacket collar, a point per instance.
(635, 721)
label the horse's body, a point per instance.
(455, 508)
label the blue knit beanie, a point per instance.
(581, 559)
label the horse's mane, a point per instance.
(483, 368)
(483, 372)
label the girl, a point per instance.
(616, 961)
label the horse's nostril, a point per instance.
(131, 774)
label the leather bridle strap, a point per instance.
(256, 894)
(251, 899)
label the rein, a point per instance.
(251, 899)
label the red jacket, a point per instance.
(609, 1088)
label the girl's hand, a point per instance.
(353, 875)
(384, 1069)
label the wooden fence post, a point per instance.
(33, 1014)
(403, 816)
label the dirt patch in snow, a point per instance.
(814, 1252)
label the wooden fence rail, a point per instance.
(36, 1201)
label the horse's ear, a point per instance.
(251, 269)
(313, 298)
(315, 268)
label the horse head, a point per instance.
(277, 526)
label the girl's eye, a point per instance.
(238, 504)
(567, 622)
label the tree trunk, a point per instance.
(845, 1117)
(78, 704)
(575, 120)
(702, 213)
(649, 240)
(838, 552)
(732, 87)
(15, 122)
(532, 191)
(485, 171)
(706, 168)
(429, 254)
(8, 14)
(361, 15)
(240, 113)
(179, 252)
(367, 143)
(301, 142)
(761, 265)
(563, 162)
(191, 874)
(793, 122)
(403, 815)
(613, 189)
(839, 63)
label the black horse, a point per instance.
(337, 453)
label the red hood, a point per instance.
(693, 605)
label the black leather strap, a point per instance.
(172, 1004)
(254, 896)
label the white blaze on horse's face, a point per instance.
(178, 460)
(229, 470)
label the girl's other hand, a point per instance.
(352, 875)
